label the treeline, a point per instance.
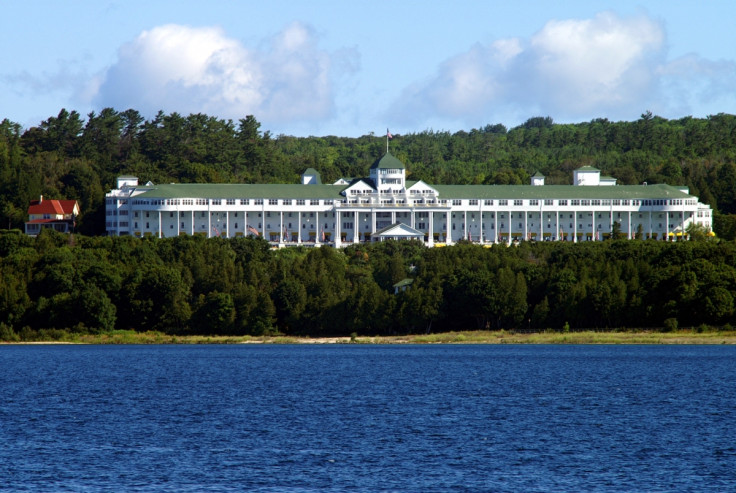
(68, 156)
(194, 285)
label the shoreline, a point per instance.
(466, 337)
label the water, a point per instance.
(367, 418)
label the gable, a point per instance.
(421, 188)
(398, 230)
(359, 187)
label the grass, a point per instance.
(466, 337)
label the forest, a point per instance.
(86, 282)
(241, 286)
(71, 157)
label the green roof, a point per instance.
(404, 282)
(237, 191)
(388, 161)
(315, 173)
(298, 191)
(587, 168)
(559, 192)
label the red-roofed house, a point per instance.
(57, 214)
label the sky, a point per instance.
(352, 68)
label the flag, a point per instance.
(323, 234)
(254, 231)
(388, 134)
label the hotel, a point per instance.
(387, 205)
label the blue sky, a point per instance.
(349, 68)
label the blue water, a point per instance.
(367, 418)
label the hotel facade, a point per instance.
(387, 205)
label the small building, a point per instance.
(59, 215)
(403, 285)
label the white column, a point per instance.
(160, 231)
(495, 226)
(465, 225)
(594, 230)
(526, 225)
(318, 235)
(431, 229)
(337, 231)
(448, 229)
(480, 237)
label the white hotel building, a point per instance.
(386, 205)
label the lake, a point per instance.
(303, 418)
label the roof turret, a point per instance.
(388, 161)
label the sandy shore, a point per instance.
(466, 337)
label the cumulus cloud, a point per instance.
(192, 70)
(570, 69)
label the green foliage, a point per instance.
(100, 284)
(67, 156)
(239, 286)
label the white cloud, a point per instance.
(571, 69)
(193, 70)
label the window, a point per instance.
(473, 202)
(259, 201)
(488, 202)
(456, 202)
(273, 202)
(230, 201)
(562, 202)
(503, 202)
(244, 201)
(533, 202)
(518, 202)
(548, 202)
